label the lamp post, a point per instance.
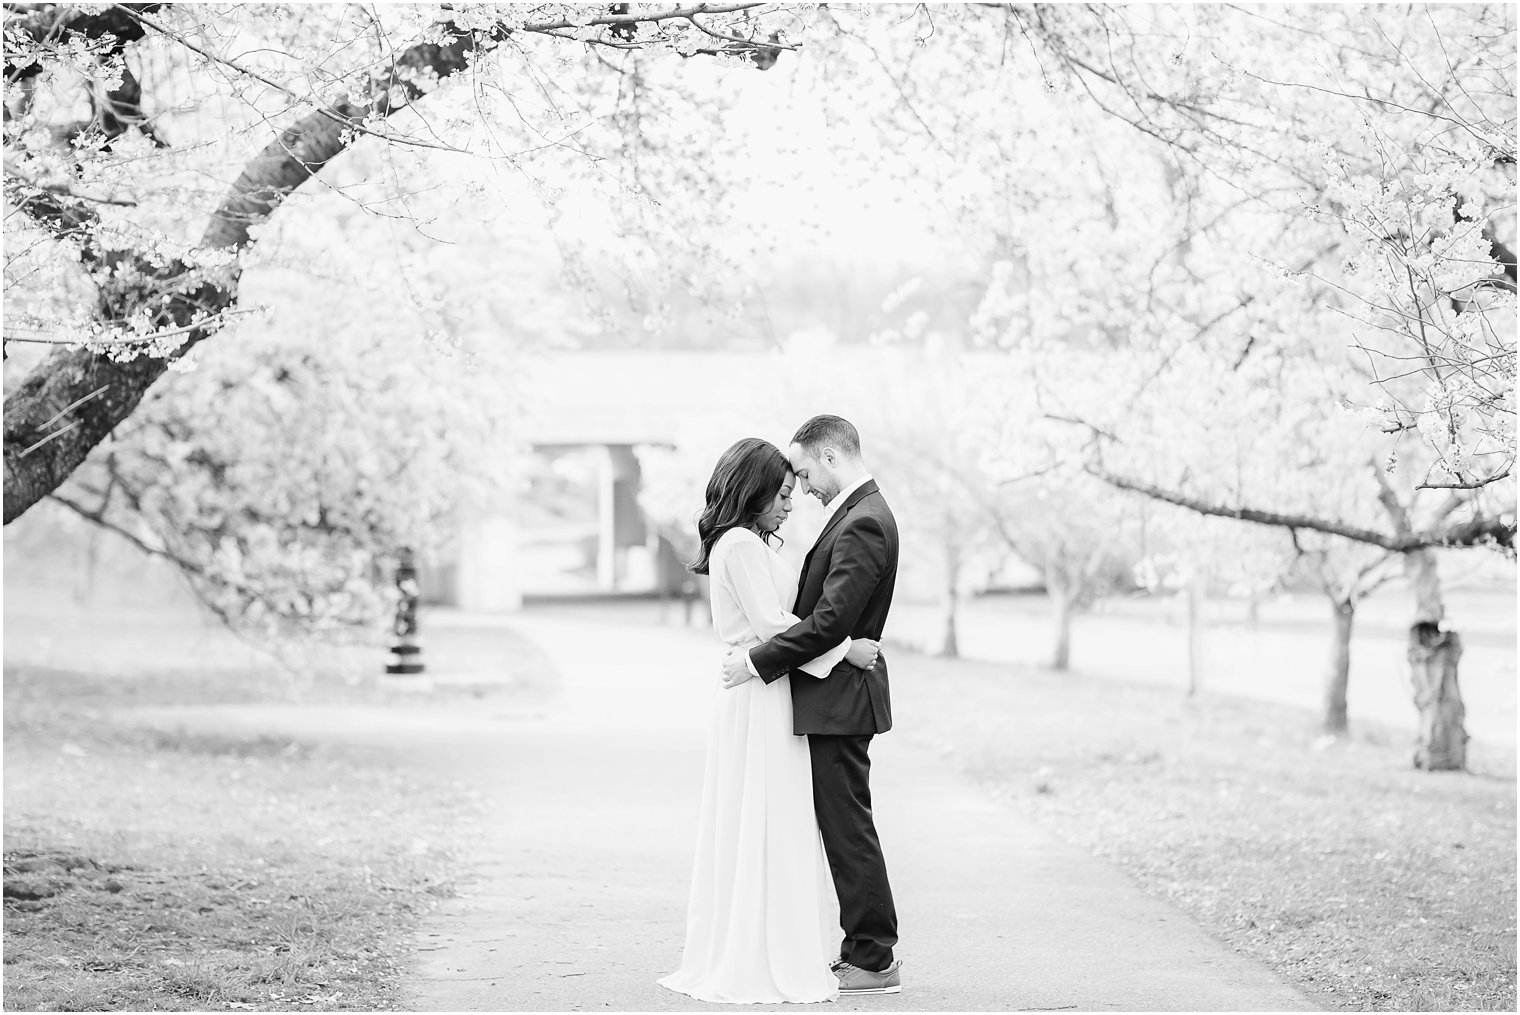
(405, 654)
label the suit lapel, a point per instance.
(864, 490)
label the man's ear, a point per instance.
(828, 457)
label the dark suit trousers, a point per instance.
(842, 798)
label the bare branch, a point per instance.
(1476, 484)
(1477, 532)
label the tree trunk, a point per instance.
(1433, 656)
(84, 591)
(1062, 602)
(949, 645)
(1425, 579)
(1061, 657)
(1344, 613)
(1195, 634)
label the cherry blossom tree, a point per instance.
(1302, 201)
(282, 475)
(1271, 456)
(121, 120)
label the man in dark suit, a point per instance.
(845, 590)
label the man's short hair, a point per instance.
(828, 431)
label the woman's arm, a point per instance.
(747, 566)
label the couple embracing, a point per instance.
(788, 860)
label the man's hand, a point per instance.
(863, 653)
(735, 669)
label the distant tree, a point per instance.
(979, 475)
(1306, 262)
(1082, 538)
(933, 459)
(1272, 456)
(1346, 573)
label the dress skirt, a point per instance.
(762, 923)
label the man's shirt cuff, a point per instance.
(750, 663)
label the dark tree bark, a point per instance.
(1433, 655)
(1343, 615)
(1505, 257)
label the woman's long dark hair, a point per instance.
(744, 483)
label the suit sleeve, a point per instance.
(749, 574)
(857, 564)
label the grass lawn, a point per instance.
(1372, 885)
(156, 870)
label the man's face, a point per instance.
(814, 475)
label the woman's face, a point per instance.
(771, 519)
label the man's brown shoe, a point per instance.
(854, 980)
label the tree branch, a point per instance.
(188, 569)
(64, 216)
(644, 17)
(58, 24)
(1476, 484)
(350, 121)
(1473, 533)
(61, 188)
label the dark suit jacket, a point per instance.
(845, 591)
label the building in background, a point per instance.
(575, 527)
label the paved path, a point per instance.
(579, 892)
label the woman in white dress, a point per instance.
(762, 924)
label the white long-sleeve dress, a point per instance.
(763, 920)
